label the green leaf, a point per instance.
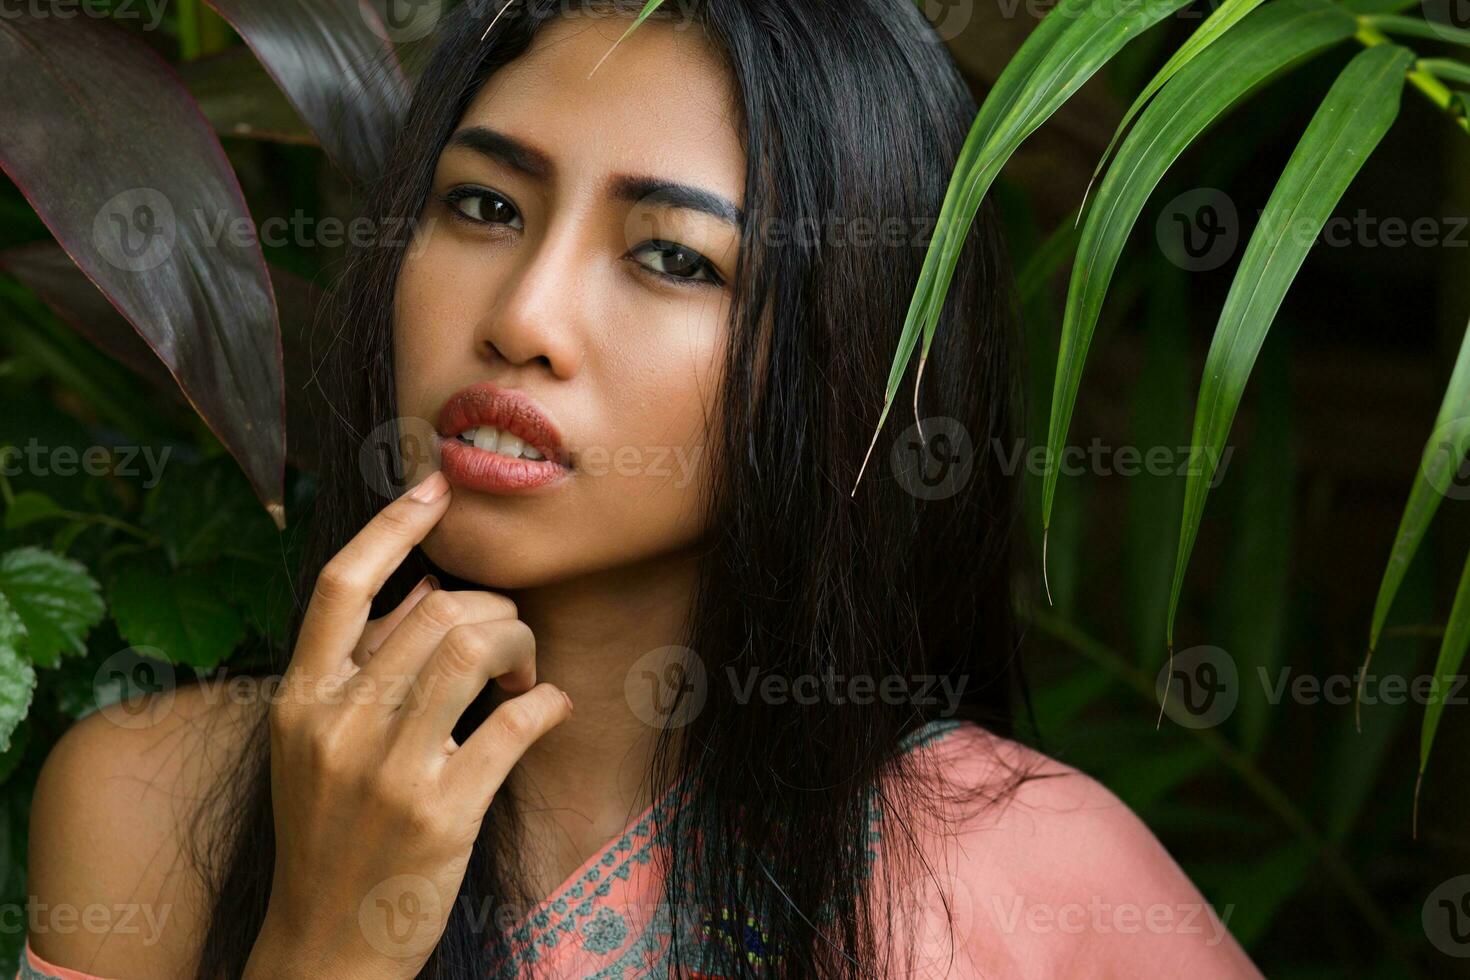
(30, 507)
(1451, 655)
(1265, 44)
(1415, 27)
(1378, 6)
(643, 15)
(183, 615)
(1226, 16)
(55, 598)
(1069, 46)
(204, 510)
(1446, 68)
(1358, 110)
(1437, 468)
(17, 678)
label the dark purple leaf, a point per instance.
(47, 271)
(335, 62)
(105, 143)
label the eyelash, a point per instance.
(705, 272)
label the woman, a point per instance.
(650, 691)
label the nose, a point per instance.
(537, 315)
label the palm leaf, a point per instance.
(1358, 110)
(1226, 16)
(1069, 46)
(1440, 461)
(1446, 669)
(1265, 44)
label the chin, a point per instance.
(494, 548)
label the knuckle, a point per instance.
(324, 749)
(505, 606)
(441, 609)
(463, 650)
(517, 720)
(395, 519)
(338, 581)
(423, 816)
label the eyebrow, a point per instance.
(650, 190)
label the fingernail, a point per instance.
(568, 699)
(431, 489)
(433, 581)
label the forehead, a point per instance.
(662, 103)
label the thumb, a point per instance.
(377, 630)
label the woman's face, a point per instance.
(570, 274)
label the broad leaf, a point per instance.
(56, 600)
(1358, 110)
(1265, 44)
(106, 144)
(182, 615)
(17, 678)
(332, 59)
(47, 271)
(240, 99)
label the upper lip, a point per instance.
(510, 411)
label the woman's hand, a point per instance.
(376, 807)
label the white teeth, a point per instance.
(493, 440)
(486, 438)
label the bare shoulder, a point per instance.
(1052, 875)
(112, 885)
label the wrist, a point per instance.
(286, 948)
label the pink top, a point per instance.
(1060, 879)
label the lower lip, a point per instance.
(477, 469)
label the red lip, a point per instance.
(476, 469)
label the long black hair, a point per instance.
(853, 115)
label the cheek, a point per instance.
(662, 396)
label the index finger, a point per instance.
(344, 591)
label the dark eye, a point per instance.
(676, 261)
(483, 206)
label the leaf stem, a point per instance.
(1433, 89)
